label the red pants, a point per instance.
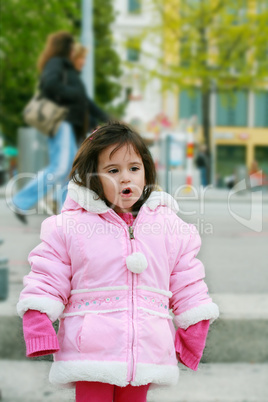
(101, 392)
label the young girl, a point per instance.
(110, 267)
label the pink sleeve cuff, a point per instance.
(39, 334)
(190, 343)
(188, 359)
(42, 346)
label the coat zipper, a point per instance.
(131, 237)
(131, 234)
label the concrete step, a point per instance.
(27, 381)
(241, 332)
(239, 335)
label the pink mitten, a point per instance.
(39, 334)
(190, 343)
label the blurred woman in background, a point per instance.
(79, 55)
(95, 114)
(60, 82)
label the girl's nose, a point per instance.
(125, 179)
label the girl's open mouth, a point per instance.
(126, 192)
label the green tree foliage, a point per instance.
(25, 25)
(214, 45)
(107, 61)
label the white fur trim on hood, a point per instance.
(161, 198)
(136, 262)
(53, 308)
(89, 200)
(86, 198)
(209, 311)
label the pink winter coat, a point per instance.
(111, 287)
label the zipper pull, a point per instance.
(131, 234)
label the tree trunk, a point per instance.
(206, 127)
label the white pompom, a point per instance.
(136, 263)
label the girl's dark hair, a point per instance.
(85, 167)
(57, 44)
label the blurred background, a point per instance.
(191, 77)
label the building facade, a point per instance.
(239, 119)
(144, 97)
(239, 132)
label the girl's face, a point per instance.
(122, 176)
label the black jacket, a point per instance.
(61, 83)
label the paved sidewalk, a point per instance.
(22, 381)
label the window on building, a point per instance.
(232, 108)
(228, 159)
(190, 104)
(133, 54)
(133, 49)
(261, 109)
(261, 156)
(134, 6)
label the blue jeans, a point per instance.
(203, 176)
(62, 149)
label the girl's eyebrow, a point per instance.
(108, 166)
(116, 165)
(135, 163)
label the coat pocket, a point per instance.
(104, 336)
(155, 339)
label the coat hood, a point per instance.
(81, 197)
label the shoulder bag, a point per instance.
(44, 114)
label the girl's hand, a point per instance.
(190, 343)
(39, 334)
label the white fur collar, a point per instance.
(89, 200)
(86, 198)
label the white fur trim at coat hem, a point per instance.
(156, 374)
(53, 308)
(208, 311)
(66, 373)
